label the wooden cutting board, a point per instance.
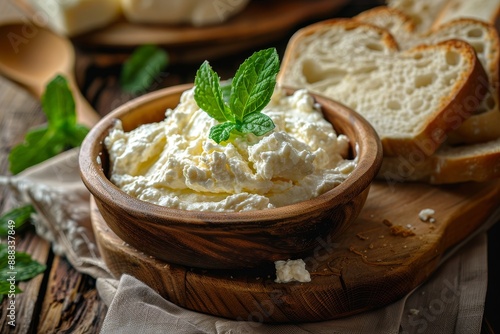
(385, 254)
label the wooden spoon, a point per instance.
(32, 56)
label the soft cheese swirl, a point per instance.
(173, 163)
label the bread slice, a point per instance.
(483, 37)
(478, 162)
(412, 98)
(484, 10)
(424, 13)
(401, 26)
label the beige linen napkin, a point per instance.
(62, 202)
(451, 301)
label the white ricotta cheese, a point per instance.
(195, 12)
(175, 164)
(73, 17)
(291, 270)
(426, 215)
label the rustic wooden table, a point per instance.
(61, 299)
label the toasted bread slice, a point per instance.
(424, 13)
(412, 98)
(483, 10)
(485, 124)
(478, 162)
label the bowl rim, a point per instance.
(94, 178)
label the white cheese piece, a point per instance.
(74, 17)
(195, 12)
(174, 163)
(426, 215)
(291, 270)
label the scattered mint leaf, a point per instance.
(24, 267)
(142, 68)
(237, 104)
(5, 289)
(60, 133)
(253, 83)
(18, 215)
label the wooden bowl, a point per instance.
(215, 240)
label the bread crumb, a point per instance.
(362, 237)
(414, 311)
(398, 230)
(425, 215)
(387, 222)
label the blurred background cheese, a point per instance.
(195, 12)
(73, 17)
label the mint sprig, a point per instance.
(238, 108)
(60, 133)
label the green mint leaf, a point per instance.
(257, 123)
(39, 145)
(58, 103)
(24, 266)
(237, 103)
(221, 132)
(60, 133)
(253, 83)
(226, 90)
(19, 216)
(208, 94)
(5, 289)
(76, 135)
(142, 68)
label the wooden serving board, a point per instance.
(383, 255)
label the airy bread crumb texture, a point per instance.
(484, 125)
(399, 93)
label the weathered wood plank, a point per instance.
(26, 303)
(71, 302)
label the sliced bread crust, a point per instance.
(483, 10)
(423, 12)
(412, 98)
(479, 162)
(483, 37)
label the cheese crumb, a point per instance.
(291, 270)
(425, 215)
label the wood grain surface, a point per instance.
(384, 255)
